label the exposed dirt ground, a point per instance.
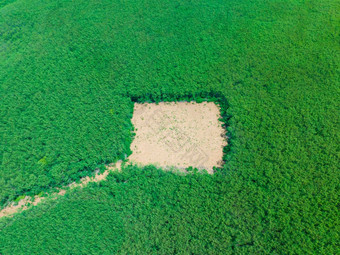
(180, 135)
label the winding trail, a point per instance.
(28, 201)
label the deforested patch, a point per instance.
(178, 134)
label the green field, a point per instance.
(69, 74)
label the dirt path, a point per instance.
(27, 202)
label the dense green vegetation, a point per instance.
(144, 210)
(69, 73)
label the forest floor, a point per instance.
(179, 135)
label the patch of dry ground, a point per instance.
(180, 135)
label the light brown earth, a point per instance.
(180, 135)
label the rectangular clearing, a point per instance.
(180, 135)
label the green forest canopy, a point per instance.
(69, 73)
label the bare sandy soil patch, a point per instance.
(180, 135)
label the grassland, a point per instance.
(69, 73)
